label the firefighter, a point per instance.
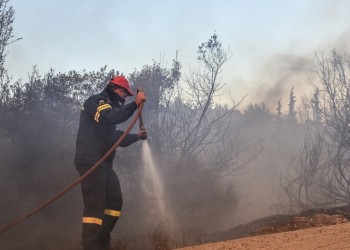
(97, 133)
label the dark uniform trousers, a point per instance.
(103, 202)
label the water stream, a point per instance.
(154, 189)
(158, 214)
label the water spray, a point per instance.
(155, 191)
(161, 220)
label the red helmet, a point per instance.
(122, 82)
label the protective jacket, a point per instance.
(97, 129)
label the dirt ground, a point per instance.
(330, 237)
(312, 229)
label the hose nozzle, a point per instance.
(142, 126)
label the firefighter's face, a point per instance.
(121, 92)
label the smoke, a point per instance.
(37, 163)
(278, 75)
(259, 190)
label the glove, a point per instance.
(140, 97)
(142, 135)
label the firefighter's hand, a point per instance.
(140, 97)
(142, 135)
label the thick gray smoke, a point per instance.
(35, 165)
(261, 193)
(278, 75)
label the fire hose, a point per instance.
(81, 178)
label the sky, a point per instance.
(273, 42)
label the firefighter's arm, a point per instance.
(102, 112)
(123, 113)
(131, 138)
(117, 115)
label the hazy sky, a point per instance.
(272, 41)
